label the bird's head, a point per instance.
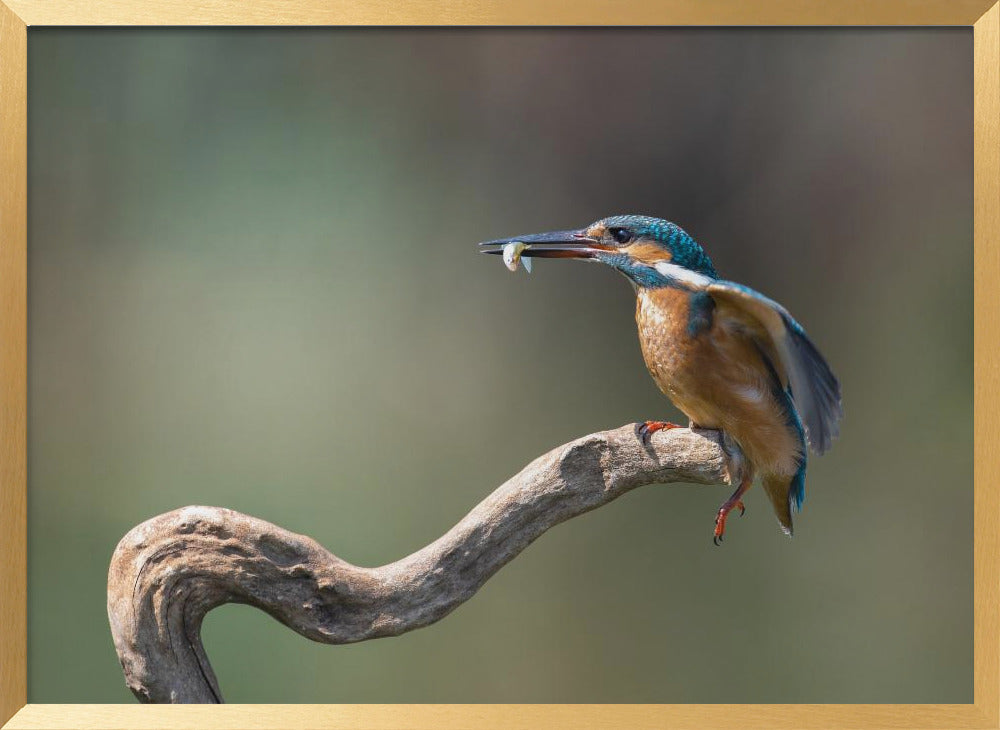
(651, 252)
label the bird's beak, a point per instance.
(556, 244)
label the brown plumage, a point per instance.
(720, 380)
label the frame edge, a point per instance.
(986, 226)
(13, 360)
(501, 12)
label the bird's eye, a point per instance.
(621, 235)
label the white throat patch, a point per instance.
(679, 273)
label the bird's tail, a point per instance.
(784, 492)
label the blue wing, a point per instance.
(812, 384)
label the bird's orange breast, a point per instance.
(716, 375)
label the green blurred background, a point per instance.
(253, 283)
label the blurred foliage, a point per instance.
(253, 283)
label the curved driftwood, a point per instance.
(168, 572)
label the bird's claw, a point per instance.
(720, 519)
(648, 428)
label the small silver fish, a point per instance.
(512, 255)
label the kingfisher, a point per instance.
(728, 357)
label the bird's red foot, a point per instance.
(720, 518)
(650, 427)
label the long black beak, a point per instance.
(556, 244)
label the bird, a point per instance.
(728, 357)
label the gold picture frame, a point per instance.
(15, 18)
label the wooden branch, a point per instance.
(168, 572)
